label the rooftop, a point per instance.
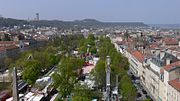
(172, 66)
(171, 41)
(175, 84)
(139, 56)
(162, 62)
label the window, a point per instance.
(134, 62)
(162, 77)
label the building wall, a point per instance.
(155, 67)
(173, 94)
(154, 84)
(174, 74)
(162, 90)
(135, 66)
(13, 52)
(2, 54)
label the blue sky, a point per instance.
(147, 11)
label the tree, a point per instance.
(6, 37)
(31, 71)
(8, 62)
(81, 98)
(68, 43)
(83, 92)
(83, 45)
(66, 75)
(119, 66)
(45, 59)
(93, 50)
(147, 99)
(127, 89)
(19, 63)
(100, 73)
(91, 37)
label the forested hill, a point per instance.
(8, 22)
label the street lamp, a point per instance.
(108, 70)
(88, 46)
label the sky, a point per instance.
(147, 11)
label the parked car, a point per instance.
(139, 95)
(144, 92)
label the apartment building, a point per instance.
(174, 90)
(157, 66)
(170, 82)
(156, 74)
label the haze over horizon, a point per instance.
(149, 12)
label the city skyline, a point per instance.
(149, 12)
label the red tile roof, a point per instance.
(172, 66)
(8, 42)
(175, 84)
(154, 45)
(3, 33)
(138, 55)
(2, 49)
(171, 41)
(12, 47)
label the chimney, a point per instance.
(162, 54)
(168, 61)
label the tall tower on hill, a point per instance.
(37, 16)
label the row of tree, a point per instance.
(90, 43)
(66, 77)
(119, 66)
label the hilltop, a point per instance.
(9, 22)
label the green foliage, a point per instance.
(31, 71)
(46, 59)
(6, 38)
(83, 45)
(147, 99)
(66, 75)
(8, 22)
(93, 50)
(100, 73)
(81, 98)
(34, 62)
(8, 62)
(127, 89)
(82, 91)
(119, 66)
(90, 37)
(68, 43)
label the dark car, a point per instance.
(144, 92)
(138, 95)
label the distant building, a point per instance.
(37, 16)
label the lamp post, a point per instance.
(108, 70)
(88, 46)
(15, 85)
